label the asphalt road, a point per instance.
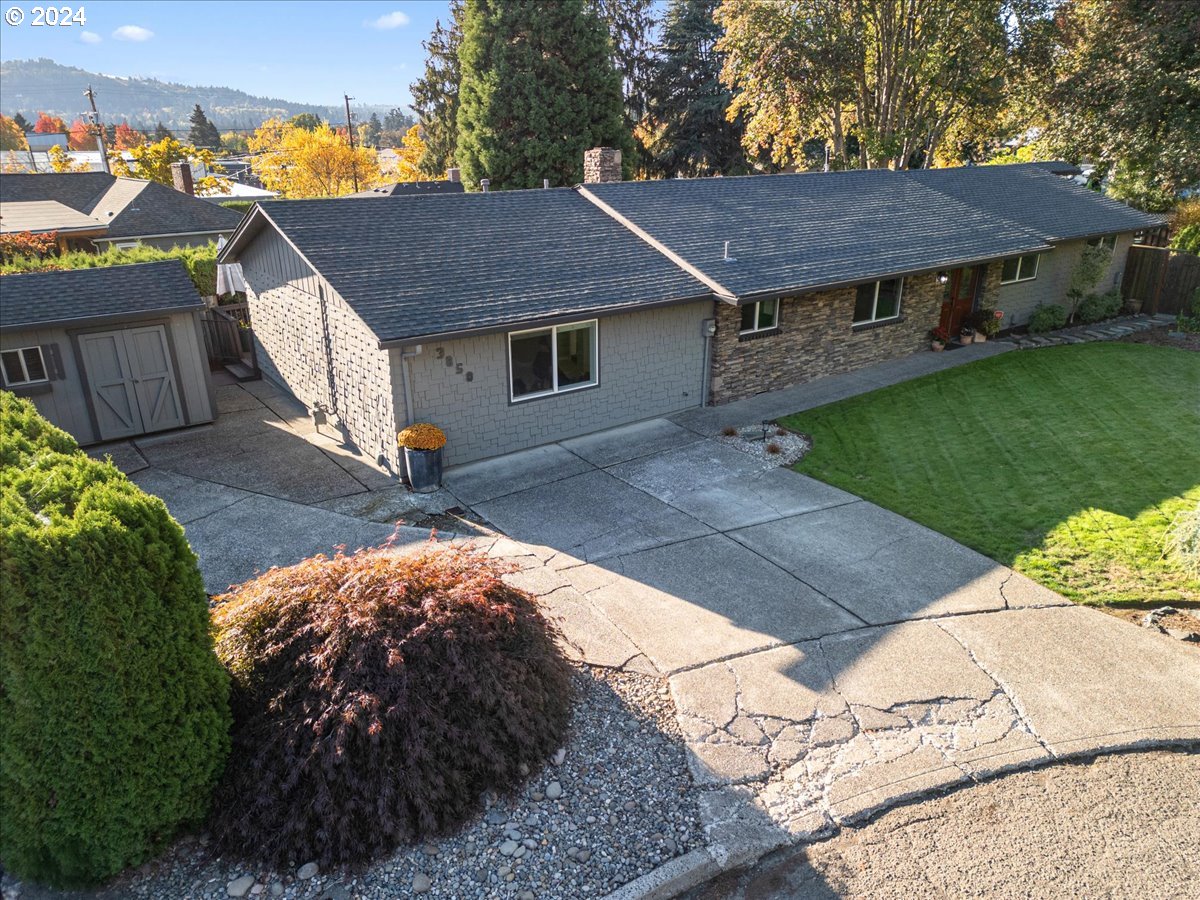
(1115, 827)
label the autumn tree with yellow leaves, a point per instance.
(152, 162)
(298, 162)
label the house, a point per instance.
(412, 189)
(512, 319)
(95, 210)
(107, 353)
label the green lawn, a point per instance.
(1067, 463)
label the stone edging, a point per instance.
(1109, 330)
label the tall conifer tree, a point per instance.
(435, 94)
(537, 89)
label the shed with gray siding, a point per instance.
(107, 354)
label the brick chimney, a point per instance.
(454, 174)
(181, 175)
(601, 164)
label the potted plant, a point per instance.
(938, 338)
(1132, 306)
(423, 445)
(967, 335)
(986, 323)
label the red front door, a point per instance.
(960, 298)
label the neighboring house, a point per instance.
(513, 319)
(95, 210)
(411, 189)
(107, 353)
(235, 190)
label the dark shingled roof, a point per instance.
(129, 207)
(465, 262)
(795, 233)
(411, 188)
(74, 295)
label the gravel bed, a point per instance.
(792, 445)
(615, 803)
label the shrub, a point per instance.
(241, 206)
(1100, 306)
(1047, 318)
(774, 449)
(113, 706)
(1182, 543)
(376, 696)
(729, 431)
(201, 262)
(1187, 239)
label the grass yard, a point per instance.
(1066, 463)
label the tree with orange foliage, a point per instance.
(408, 155)
(81, 136)
(47, 124)
(126, 138)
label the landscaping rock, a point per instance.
(240, 887)
(421, 883)
(307, 871)
(553, 790)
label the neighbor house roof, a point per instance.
(453, 263)
(59, 297)
(449, 264)
(411, 188)
(120, 207)
(794, 233)
(43, 215)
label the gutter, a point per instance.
(89, 321)
(150, 237)
(544, 322)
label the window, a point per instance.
(761, 316)
(24, 366)
(1108, 242)
(878, 301)
(1020, 268)
(552, 360)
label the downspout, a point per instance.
(406, 354)
(709, 327)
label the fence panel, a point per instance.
(1164, 280)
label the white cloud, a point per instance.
(389, 21)
(133, 33)
(90, 37)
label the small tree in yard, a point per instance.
(376, 696)
(1086, 275)
(114, 717)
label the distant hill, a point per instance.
(31, 86)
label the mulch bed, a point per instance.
(1161, 338)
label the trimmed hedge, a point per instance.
(201, 262)
(1047, 318)
(375, 698)
(114, 715)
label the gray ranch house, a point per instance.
(513, 319)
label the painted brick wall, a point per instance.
(1019, 300)
(319, 349)
(816, 339)
(651, 364)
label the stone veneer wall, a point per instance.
(816, 338)
(319, 349)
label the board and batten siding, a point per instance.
(1020, 299)
(313, 344)
(651, 363)
(65, 401)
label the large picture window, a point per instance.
(552, 360)
(24, 366)
(761, 316)
(878, 301)
(1019, 268)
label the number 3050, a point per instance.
(63, 16)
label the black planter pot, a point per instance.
(424, 469)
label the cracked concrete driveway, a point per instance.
(828, 658)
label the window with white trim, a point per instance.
(760, 316)
(1020, 268)
(23, 366)
(544, 361)
(1108, 242)
(878, 301)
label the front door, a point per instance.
(960, 298)
(131, 381)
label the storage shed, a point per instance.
(107, 353)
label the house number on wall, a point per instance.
(450, 363)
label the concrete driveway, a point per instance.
(828, 658)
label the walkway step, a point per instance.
(242, 372)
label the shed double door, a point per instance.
(131, 381)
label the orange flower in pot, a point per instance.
(422, 444)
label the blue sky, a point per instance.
(306, 52)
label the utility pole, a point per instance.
(95, 117)
(350, 134)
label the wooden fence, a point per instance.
(227, 335)
(1164, 280)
